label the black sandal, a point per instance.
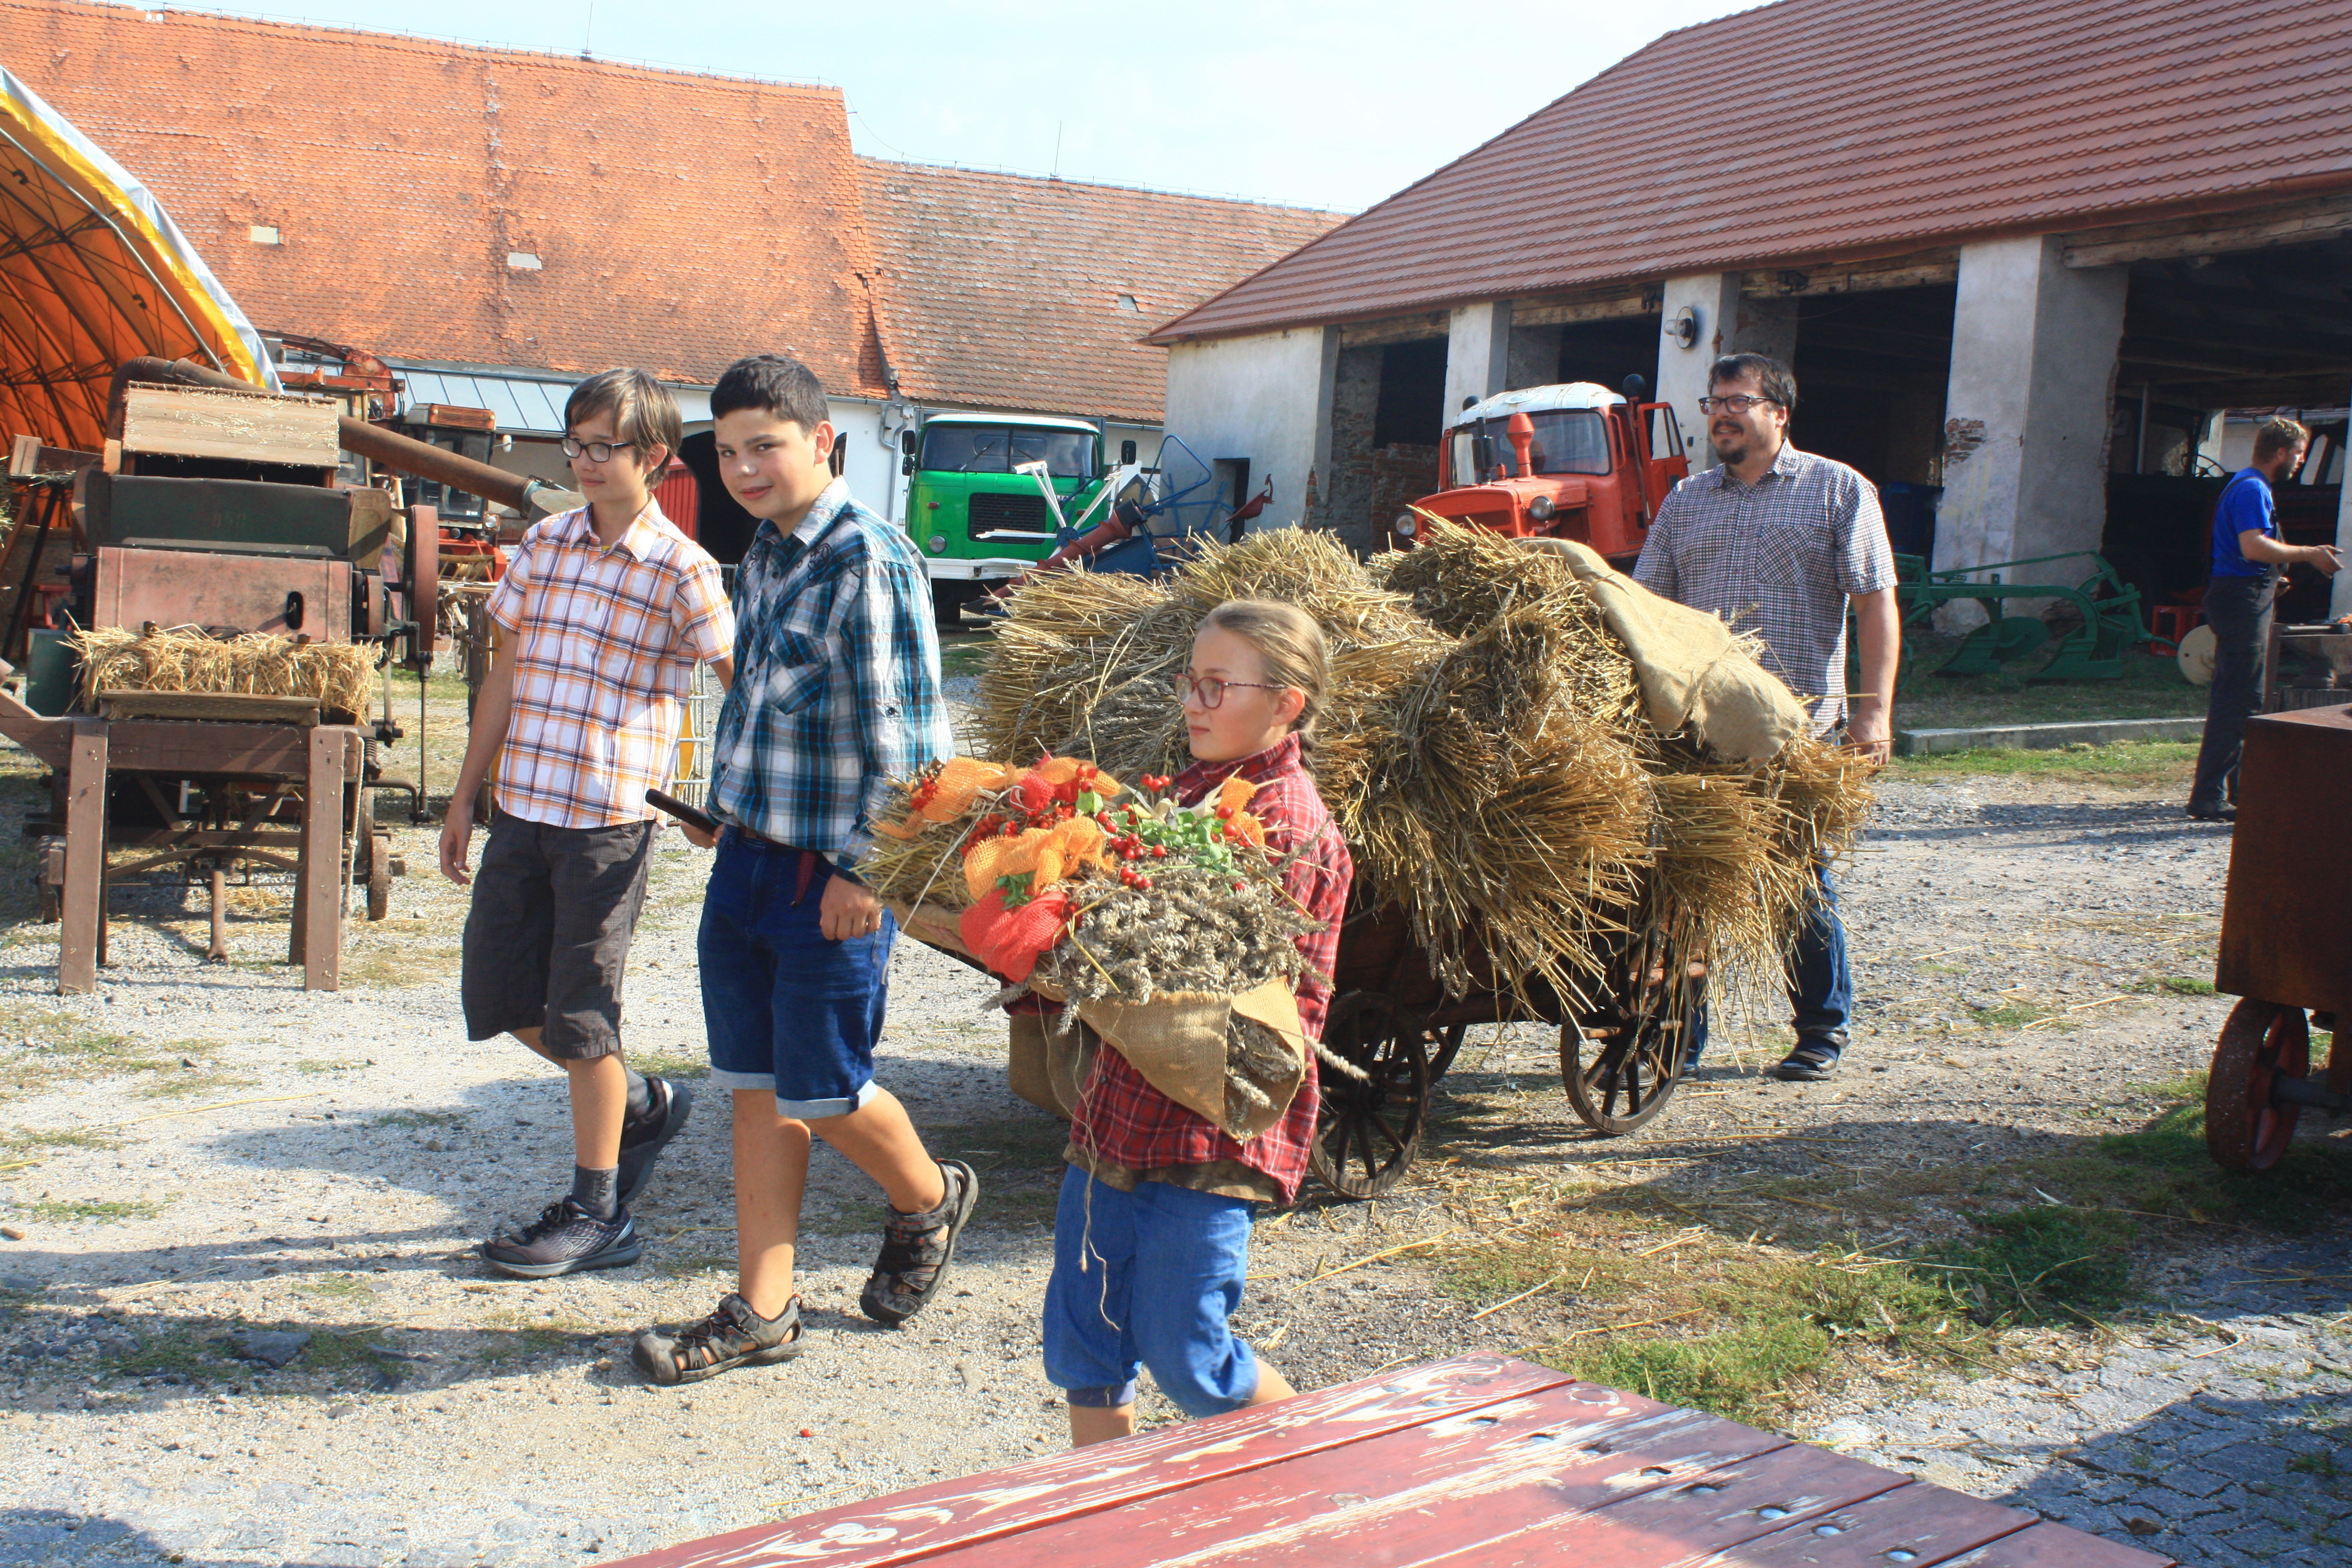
(730, 1336)
(917, 1249)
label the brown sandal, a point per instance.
(730, 1336)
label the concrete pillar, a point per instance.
(1477, 353)
(2339, 596)
(1728, 324)
(2026, 421)
(1535, 357)
(2209, 440)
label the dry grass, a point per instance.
(342, 676)
(1484, 749)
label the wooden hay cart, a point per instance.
(2286, 938)
(1621, 1051)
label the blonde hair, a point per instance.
(1288, 643)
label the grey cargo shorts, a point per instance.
(547, 939)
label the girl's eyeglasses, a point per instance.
(1209, 692)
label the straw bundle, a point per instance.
(1484, 749)
(183, 658)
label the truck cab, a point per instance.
(973, 513)
(1571, 461)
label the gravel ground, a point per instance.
(321, 1162)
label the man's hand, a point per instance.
(1866, 735)
(849, 909)
(457, 829)
(2323, 557)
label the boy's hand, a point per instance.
(695, 837)
(849, 909)
(457, 829)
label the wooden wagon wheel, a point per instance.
(1367, 1132)
(1449, 1046)
(2261, 1043)
(1621, 1062)
(379, 873)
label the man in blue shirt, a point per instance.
(2247, 556)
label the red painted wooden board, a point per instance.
(1475, 1462)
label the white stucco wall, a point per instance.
(1265, 398)
(2026, 411)
(1728, 324)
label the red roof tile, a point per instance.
(1839, 129)
(1005, 290)
(679, 220)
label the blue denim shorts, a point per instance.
(1148, 1279)
(786, 1010)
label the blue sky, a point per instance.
(1305, 101)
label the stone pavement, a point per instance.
(2219, 1433)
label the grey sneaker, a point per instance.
(730, 1336)
(641, 1140)
(564, 1239)
(917, 1249)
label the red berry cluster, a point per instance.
(1155, 783)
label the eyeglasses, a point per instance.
(1209, 692)
(1737, 403)
(596, 451)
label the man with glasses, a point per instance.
(1777, 542)
(602, 618)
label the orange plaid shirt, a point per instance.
(607, 641)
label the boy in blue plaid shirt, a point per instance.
(837, 693)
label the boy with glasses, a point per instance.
(602, 614)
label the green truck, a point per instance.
(974, 512)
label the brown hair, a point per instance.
(1289, 643)
(644, 413)
(2278, 433)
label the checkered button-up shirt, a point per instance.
(1122, 1119)
(836, 680)
(606, 639)
(1776, 558)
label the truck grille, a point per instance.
(993, 512)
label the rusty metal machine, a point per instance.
(221, 509)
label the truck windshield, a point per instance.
(999, 449)
(1567, 441)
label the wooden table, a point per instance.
(1477, 1462)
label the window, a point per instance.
(998, 449)
(521, 261)
(263, 234)
(1127, 302)
(1567, 441)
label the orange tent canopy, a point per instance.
(93, 272)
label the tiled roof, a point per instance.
(1006, 290)
(1841, 129)
(676, 220)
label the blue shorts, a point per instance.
(1148, 1279)
(786, 1010)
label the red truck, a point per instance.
(1572, 462)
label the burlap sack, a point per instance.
(1178, 1043)
(1692, 670)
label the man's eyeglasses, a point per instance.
(1209, 692)
(596, 451)
(1737, 403)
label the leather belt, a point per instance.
(810, 858)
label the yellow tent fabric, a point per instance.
(93, 272)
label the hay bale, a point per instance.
(340, 676)
(1483, 750)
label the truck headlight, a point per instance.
(938, 542)
(1405, 525)
(1540, 509)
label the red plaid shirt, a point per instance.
(1122, 1119)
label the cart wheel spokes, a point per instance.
(2261, 1043)
(1622, 1063)
(1366, 1133)
(1449, 1046)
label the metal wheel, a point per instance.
(1621, 1062)
(2261, 1043)
(1367, 1134)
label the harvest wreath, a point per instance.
(1165, 928)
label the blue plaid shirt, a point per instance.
(836, 680)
